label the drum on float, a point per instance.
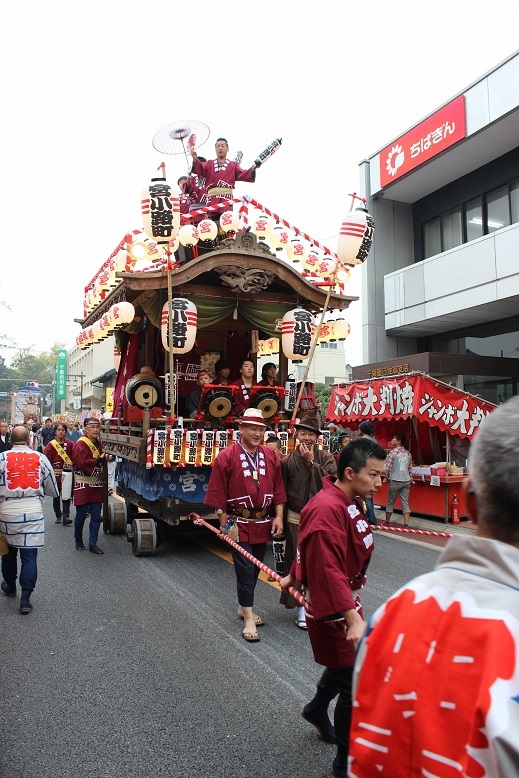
(144, 392)
(267, 401)
(216, 401)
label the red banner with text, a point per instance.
(419, 396)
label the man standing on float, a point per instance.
(221, 174)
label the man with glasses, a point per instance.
(89, 489)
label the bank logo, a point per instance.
(395, 160)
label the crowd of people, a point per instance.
(431, 680)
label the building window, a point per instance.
(514, 202)
(474, 219)
(329, 380)
(451, 230)
(432, 238)
(498, 210)
(329, 344)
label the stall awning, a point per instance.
(411, 396)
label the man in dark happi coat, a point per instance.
(303, 472)
(89, 489)
(335, 546)
(244, 487)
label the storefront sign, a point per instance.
(380, 372)
(421, 397)
(423, 142)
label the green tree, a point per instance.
(323, 392)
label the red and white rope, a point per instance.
(411, 531)
(199, 521)
(290, 226)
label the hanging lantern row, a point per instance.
(333, 330)
(119, 315)
(185, 320)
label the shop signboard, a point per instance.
(61, 375)
(432, 136)
(413, 396)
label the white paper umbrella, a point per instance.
(177, 137)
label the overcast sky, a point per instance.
(86, 85)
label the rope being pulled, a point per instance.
(200, 522)
(410, 531)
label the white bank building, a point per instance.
(441, 285)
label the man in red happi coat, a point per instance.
(60, 452)
(89, 489)
(244, 384)
(335, 546)
(221, 174)
(245, 484)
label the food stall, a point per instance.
(438, 421)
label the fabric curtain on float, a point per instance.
(262, 315)
(129, 348)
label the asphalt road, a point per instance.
(135, 667)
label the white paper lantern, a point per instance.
(326, 267)
(160, 211)
(297, 250)
(326, 332)
(138, 251)
(229, 221)
(174, 244)
(188, 235)
(341, 329)
(296, 334)
(261, 226)
(185, 319)
(207, 230)
(312, 260)
(279, 237)
(356, 237)
(124, 313)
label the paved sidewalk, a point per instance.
(423, 522)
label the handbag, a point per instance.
(4, 548)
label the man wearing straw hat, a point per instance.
(303, 473)
(245, 484)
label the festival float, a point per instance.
(438, 420)
(226, 278)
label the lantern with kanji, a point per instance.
(279, 237)
(207, 230)
(185, 318)
(188, 235)
(326, 332)
(160, 211)
(296, 334)
(356, 237)
(326, 267)
(229, 221)
(312, 260)
(297, 250)
(261, 226)
(123, 314)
